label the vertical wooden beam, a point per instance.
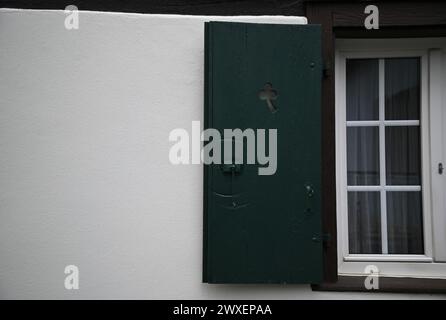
(318, 14)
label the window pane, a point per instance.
(362, 89)
(403, 165)
(402, 89)
(362, 156)
(404, 223)
(364, 222)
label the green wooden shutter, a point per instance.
(264, 228)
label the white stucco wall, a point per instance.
(84, 172)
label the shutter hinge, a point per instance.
(326, 71)
(325, 238)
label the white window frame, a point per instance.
(432, 54)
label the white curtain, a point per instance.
(402, 150)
